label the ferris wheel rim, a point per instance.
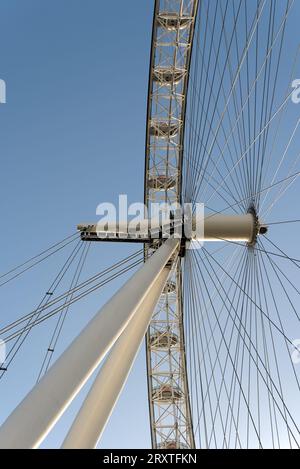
(163, 440)
(248, 207)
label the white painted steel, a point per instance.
(217, 227)
(229, 228)
(91, 419)
(172, 40)
(32, 420)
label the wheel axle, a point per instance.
(212, 228)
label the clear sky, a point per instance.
(72, 135)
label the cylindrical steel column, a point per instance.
(216, 227)
(32, 420)
(219, 227)
(103, 395)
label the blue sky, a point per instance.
(72, 135)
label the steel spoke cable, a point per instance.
(265, 94)
(282, 222)
(241, 344)
(252, 87)
(208, 180)
(285, 153)
(38, 261)
(220, 119)
(270, 320)
(279, 319)
(206, 305)
(294, 261)
(38, 255)
(284, 289)
(188, 335)
(202, 383)
(275, 81)
(249, 147)
(22, 333)
(245, 172)
(229, 354)
(262, 281)
(46, 299)
(283, 190)
(218, 409)
(233, 380)
(255, 109)
(205, 94)
(223, 369)
(279, 110)
(275, 265)
(250, 328)
(215, 212)
(203, 162)
(193, 164)
(255, 248)
(71, 291)
(254, 26)
(73, 300)
(215, 98)
(196, 394)
(276, 309)
(292, 73)
(251, 152)
(240, 128)
(217, 350)
(192, 100)
(270, 394)
(62, 316)
(264, 367)
(257, 356)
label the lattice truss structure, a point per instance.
(173, 30)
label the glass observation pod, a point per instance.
(163, 340)
(173, 21)
(161, 182)
(170, 287)
(166, 393)
(172, 444)
(163, 129)
(168, 76)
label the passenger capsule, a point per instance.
(173, 22)
(163, 129)
(168, 76)
(163, 340)
(166, 393)
(161, 182)
(170, 287)
(172, 444)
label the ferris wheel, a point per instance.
(221, 309)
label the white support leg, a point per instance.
(32, 420)
(91, 420)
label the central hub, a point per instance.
(212, 228)
(259, 228)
